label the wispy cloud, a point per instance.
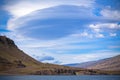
(24, 7)
(105, 25)
(114, 47)
(113, 34)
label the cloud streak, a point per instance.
(27, 6)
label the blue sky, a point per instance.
(63, 31)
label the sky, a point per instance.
(63, 31)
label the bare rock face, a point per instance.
(19, 64)
(6, 41)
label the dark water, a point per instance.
(82, 77)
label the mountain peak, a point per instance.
(7, 41)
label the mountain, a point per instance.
(14, 61)
(9, 53)
(108, 64)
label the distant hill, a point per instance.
(81, 65)
(109, 64)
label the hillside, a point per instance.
(14, 61)
(9, 53)
(109, 64)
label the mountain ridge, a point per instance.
(110, 64)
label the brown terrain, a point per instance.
(109, 64)
(13, 61)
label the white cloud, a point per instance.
(24, 7)
(113, 34)
(100, 28)
(113, 47)
(98, 35)
(109, 28)
(83, 34)
(97, 27)
(111, 14)
(89, 35)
